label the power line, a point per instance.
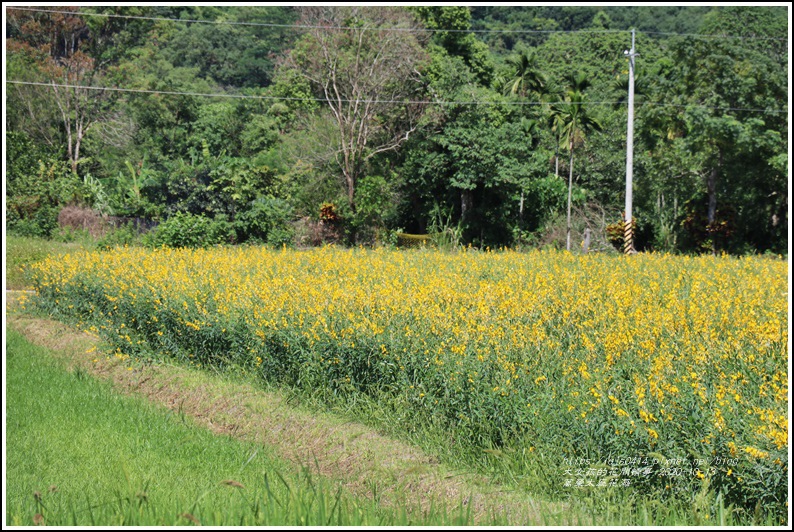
(416, 30)
(319, 100)
(286, 98)
(714, 36)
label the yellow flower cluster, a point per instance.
(540, 342)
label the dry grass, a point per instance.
(83, 218)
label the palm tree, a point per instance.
(531, 131)
(526, 77)
(578, 82)
(574, 123)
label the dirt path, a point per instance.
(349, 453)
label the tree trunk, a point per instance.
(351, 194)
(557, 159)
(570, 187)
(466, 201)
(711, 186)
(77, 142)
(349, 171)
(521, 207)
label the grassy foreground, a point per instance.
(80, 454)
(306, 498)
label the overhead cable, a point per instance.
(406, 102)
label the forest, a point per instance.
(356, 125)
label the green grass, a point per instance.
(23, 251)
(80, 454)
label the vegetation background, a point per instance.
(459, 126)
(287, 125)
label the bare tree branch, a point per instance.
(368, 78)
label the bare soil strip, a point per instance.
(350, 454)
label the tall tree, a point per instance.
(79, 106)
(525, 79)
(575, 124)
(52, 44)
(368, 77)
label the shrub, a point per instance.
(40, 224)
(185, 230)
(268, 221)
(35, 195)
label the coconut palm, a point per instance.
(574, 123)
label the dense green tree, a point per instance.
(711, 122)
(449, 25)
(728, 118)
(477, 163)
(234, 55)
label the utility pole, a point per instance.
(628, 223)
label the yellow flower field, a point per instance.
(597, 357)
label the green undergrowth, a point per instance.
(525, 468)
(80, 454)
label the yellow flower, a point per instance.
(756, 453)
(732, 448)
(646, 417)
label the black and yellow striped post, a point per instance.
(628, 237)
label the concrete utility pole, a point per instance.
(628, 228)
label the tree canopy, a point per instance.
(494, 121)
